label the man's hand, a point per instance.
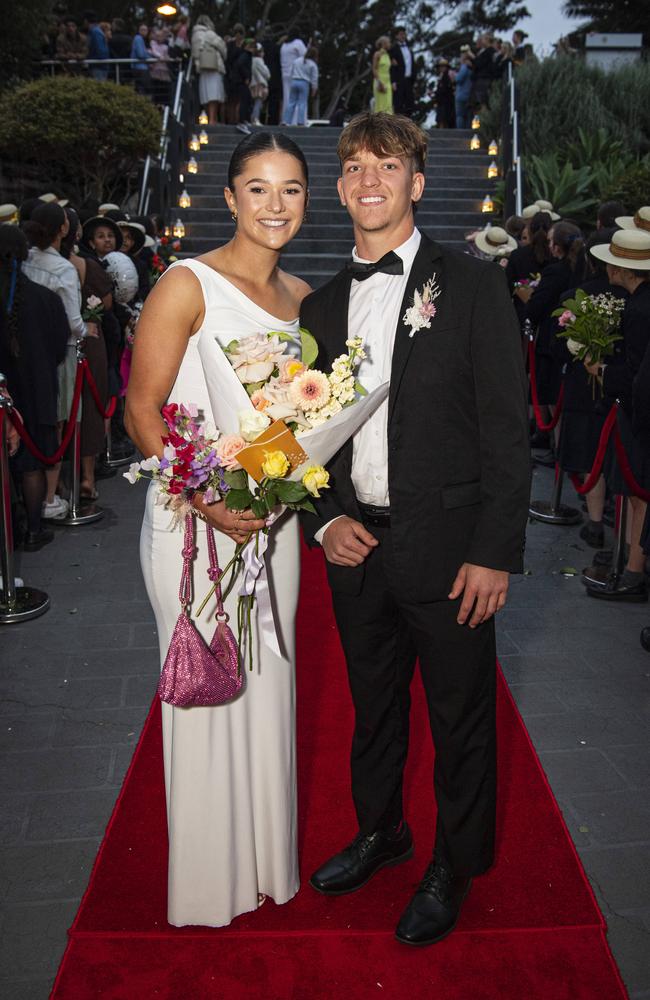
(347, 543)
(485, 588)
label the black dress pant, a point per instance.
(404, 101)
(383, 634)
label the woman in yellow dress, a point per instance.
(382, 87)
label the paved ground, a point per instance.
(75, 686)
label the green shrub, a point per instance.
(85, 136)
(570, 189)
(632, 187)
(559, 95)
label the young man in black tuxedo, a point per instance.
(402, 74)
(424, 520)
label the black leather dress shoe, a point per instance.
(635, 593)
(359, 861)
(435, 907)
(35, 540)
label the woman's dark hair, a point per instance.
(571, 240)
(538, 228)
(44, 224)
(515, 226)
(68, 242)
(608, 212)
(264, 142)
(13, 251)
(593, 265)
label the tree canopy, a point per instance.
(605, 16)
(90, 135)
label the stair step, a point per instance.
(217, 217)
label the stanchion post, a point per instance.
(609, 576)
(17, 604)
(554, 511)
(76, 513)
(112, 461)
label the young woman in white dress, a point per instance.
(230, 773)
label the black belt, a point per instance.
(378, 517)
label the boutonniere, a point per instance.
(420, 314)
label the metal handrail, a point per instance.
(131, 61)
(513, 145)
(172, 117)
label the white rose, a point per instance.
(252, 423)
(574, 346)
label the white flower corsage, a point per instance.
(420, 314)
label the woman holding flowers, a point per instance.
(229, 770)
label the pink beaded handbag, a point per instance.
(194, 673)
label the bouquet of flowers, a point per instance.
(158, 267)
(590, 325)
(93, 310)
(524, 288)
(264, 372)
(168, 247)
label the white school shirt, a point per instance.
(373, 314)
(49, 268)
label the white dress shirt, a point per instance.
(373, 314)
(408, 60)
(49, 268)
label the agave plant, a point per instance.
(569, 188)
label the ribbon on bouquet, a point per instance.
(256, 581)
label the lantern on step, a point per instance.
(493, 148)
(192, 166)
(179, 229)
(195, 145)
(203, 137)
(167, 232)
(487, 205)
(493, 170)
(184, 200)
(203, 117)
(476, 123)
(475, 142)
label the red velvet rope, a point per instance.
(82, 370)
(626, 469)
(92, 385)
(539, 420)
(610, 426)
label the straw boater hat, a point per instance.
(48, 197)
(640, 219)
(546, 206)
(108, 206)
(495, 241)
(629, 248)
(8, 213)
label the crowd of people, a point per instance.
(547, 260)
(105, 50)
(65, 281)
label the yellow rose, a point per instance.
(316, 478)
(275, 464)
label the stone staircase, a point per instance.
(456, 183)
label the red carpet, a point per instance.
(530, 930)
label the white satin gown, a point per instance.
(230, 771)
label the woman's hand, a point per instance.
(92, 330)
(381, 87)
(238, 525)
(593, 367)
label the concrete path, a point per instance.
(76, 685)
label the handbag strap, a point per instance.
(214, 573)
(188, 552)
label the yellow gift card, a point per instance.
(277, 437)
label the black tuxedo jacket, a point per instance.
(458, 452)
(398, 67)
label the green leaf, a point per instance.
(239, 499)
(237, 480)
(309, 346)
(360, 389)
(308, 506)
(568, 571)
(252, 387)
(259, 508)
(231, 347)
(289, 492)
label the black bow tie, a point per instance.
(390, 263)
